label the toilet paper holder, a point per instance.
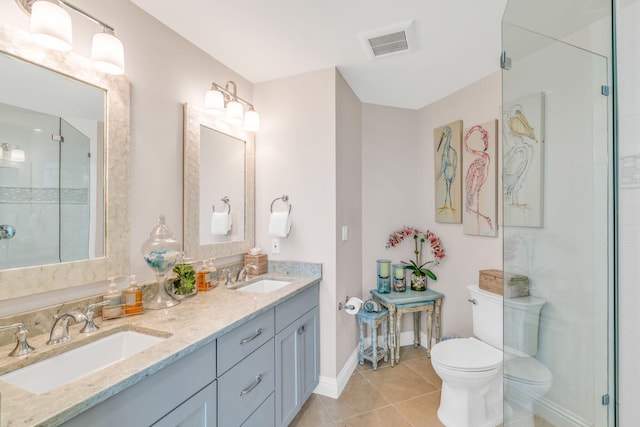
(344, 306)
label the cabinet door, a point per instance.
(309, 354)
(198, 411)
(296, 365)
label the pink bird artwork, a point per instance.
(476, 144)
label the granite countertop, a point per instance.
(187, 327)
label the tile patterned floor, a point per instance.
(407, 395)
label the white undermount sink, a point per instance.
(263, 286)
(69, 366)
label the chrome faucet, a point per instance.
(22, 346)
(60, 328)
(243, 274)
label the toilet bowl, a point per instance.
(472, 369)
(471, 373)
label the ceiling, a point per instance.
(457, 41)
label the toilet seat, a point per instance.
(466, 355)
(527, 370)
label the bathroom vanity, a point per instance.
(229, 358)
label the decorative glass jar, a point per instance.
(399, 278)
(161, 252)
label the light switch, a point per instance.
(345, 233)
(275, 246)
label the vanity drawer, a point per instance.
(295, 307)
(243, 340)
(243, 388)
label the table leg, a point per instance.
(361, 352)
(398, 330)
(429, 328)
(385, 342)
(438, 304)
(392, 336)
(374, 345)
(416, 328)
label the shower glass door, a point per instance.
(556, 204)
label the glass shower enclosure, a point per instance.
(556, 205)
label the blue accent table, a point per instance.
(373, 352)
(399, 303)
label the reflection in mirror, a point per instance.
(218, 164)
(222, 187)
(69, 200)
(53, 195)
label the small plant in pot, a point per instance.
(185, 284)
(418, 268)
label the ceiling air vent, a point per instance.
(392, 39)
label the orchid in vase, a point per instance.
(419, 269)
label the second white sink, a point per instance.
(264, 286)
(69, 366)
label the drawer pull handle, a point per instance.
(251, 338)
(302, 329)
(252, 386)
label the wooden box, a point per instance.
(515, 286)
(258, 260)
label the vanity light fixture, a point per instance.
(51, 26)
(219, 100)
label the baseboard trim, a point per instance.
(557, 415)
(333, 387)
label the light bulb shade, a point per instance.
(107, 53)
(234, 112)
(251, 121)
(17, 155)
(214, 102)
(51, 25)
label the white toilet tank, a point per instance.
(487, 316)
(521, 315)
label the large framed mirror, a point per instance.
(64, 169)
(218, 186)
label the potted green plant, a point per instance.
(418, 268)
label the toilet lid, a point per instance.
(527, 370)
(466, 354)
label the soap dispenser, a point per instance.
(114, 296)
(132, 297)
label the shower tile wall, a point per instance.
(628, 62)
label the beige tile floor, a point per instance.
(406, 395)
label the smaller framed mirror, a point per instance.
(218, 186)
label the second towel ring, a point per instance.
(225, 199)
(284, 198)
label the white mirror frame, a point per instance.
(19, 282)
(193, 118)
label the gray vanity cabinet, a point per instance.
(181, 394)
(198, 411)
(297, 365)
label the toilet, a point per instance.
(472, 369)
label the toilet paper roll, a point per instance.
(353, 305)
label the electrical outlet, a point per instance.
(275, 246)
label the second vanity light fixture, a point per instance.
(219, 100)
(51, 26)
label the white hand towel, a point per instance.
(279, 224)
(220, 223)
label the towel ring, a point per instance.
(284, 198)
(225, 199)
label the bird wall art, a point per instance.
(448, 172)
(479, 164)
(522, 168)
